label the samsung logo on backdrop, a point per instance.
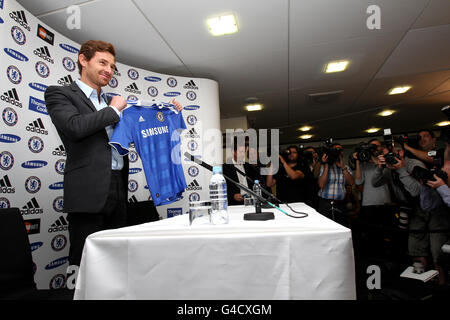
(16, 54)
(135, 170)
(172, 94)
(57, 263)
(191, 107)
(36, 245)
(38, 86)
(152, 79)
(68, 48)
(56, 186)
(33, 164)
(9, 138)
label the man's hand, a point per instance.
(118, 102)
(381, 161)
(401, 162)
(436, 184)
(238, 197)
(176, 104)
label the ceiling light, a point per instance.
(305, 128)
(443, 123)
(219, 26)
(372, 130)
(386, 113)
(336, 66)
(399, 90)
(253, 107)
(306, 136)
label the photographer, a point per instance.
(333, 177)
(427, 143)
(312, 161)
(376, 217)
(290, 178)
(407, 189)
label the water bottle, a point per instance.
(218, 196)
(257, 190)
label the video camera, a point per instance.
(389, 140)
(365, 151)
(332, 153)
(424, 174)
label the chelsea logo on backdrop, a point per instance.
(18, 35)
(14, 74)
(152, 91)
(33, 184)
(6, 160)
(172, 82)
(42, 69)
(35, 144)
(68, 64)
(113, 83)
(133, 74)
(10, 117)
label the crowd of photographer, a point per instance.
(402, 193)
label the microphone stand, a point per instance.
(248, 216)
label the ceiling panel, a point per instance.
(421, 50)
(436, 13)
(138, 45)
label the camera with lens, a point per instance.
(285, 153)
(424, 174)
(365, 151)
(332, 153)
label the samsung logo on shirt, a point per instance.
(154, 131)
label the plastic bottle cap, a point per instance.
(217, 169)
(256, 181)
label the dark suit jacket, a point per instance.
(82, 130)
(230, 171)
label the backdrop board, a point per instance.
(32, 157)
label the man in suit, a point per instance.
(95, 175)
(234, 169)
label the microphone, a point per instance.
(248, 216)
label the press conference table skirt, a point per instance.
(284, 258)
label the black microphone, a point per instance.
(247, 216)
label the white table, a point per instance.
(285, 258)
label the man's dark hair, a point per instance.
(427, 130)
(89, 48)
(372, 140)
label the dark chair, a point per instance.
(16, 267)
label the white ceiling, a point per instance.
(279, 52)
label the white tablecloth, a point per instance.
(285, 258)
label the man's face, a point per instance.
(239, 155)
(99, 70)
(293, 156)
(378, 144)
(427, 142)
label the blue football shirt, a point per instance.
(156, 137)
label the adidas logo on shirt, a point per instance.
(43, 53)
(133, 88)
(19, 17)
(194, 186)
(37, 126)
(60, 224)
(5, 185)
(32, 207)
(190, 85)
(12, 97)
(65, 81)
(141, 119)
(59, 151)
